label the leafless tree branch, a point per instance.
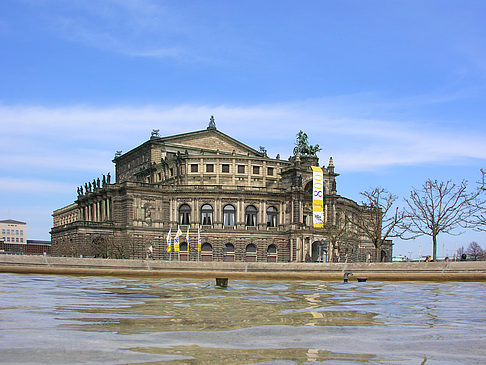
(440, 207)
(380, 219)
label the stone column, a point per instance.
(260, 214)
(291, 250)
(170, 210)
(192, 218)
(103, 210)
(301, 211)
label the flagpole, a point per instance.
(188, 246)
(169, 244)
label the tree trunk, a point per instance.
(378, 251)
(434, 247)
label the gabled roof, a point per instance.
(213, 138)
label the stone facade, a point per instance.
(248, 206)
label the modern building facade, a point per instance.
(13, 231)
(246, 205)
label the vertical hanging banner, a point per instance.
(169, 239)
(176, 239)
(187, 239)
(199, 239)
(317, 197)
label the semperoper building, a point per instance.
(243, 204)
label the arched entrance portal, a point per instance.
(319, 251)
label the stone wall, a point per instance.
(412, 271)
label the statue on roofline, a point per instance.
(302, 146)
(212, 123)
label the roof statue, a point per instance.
(155, 133)
(302, 146)
(212, 123)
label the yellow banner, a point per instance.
(317, 197)
(198, 239)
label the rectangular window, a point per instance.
(194, 167)
(225, 168)
(16, 239)
(209, 167)
(270, 171)
(8, 239)
(171, 171)
(21, 240)
(21, 232)
(8, 231)
(16, 231)
(256, 170)
(241, 169)
(3, 230)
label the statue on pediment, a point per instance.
(212, 123)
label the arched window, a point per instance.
(184, 214)
(229, 248)
(206, 247)
(250, 216)
(251, 248)
(207, 215)
(272, 253)
(229, 253)
(251, 254)
(183, 247)
(272, 217)
(229, 215)
(206, 252)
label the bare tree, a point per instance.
(439, 207)
(338, 232)
(380, 220)
(474, 251)
(114, 247)
(478, 219)
(460, 251)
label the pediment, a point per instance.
(211, 140)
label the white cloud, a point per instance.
(85, 137)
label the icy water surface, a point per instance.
(109, 320)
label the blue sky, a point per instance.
(394, 91)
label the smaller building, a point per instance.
(13, 231)
(13, 240)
